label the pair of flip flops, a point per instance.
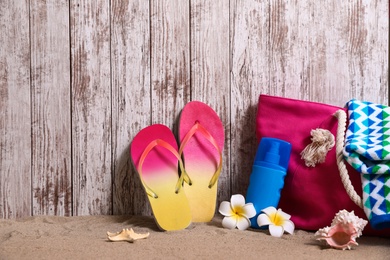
(181, 181)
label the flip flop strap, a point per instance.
(158, 142)
(197, 127)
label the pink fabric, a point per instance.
(312, 196)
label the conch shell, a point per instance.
(344, 230)
(126, 235)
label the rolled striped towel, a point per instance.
(367, 149)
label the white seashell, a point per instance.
(126, 235)
(344, 230)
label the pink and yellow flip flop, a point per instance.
(202, 138)
(154, 153)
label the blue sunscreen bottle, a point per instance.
(267, 177)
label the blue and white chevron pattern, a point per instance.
(367, 149)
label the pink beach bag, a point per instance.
(311, 195)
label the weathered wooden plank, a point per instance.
(325, 63)
(51, 119)
(15, 117)
(91, 107)
(329, 54)
(366, 31)
(288, 25)
(249, 77)
(130, 59)
(170, 59)
(210, 71)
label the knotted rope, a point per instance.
(322, 142)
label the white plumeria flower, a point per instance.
(277, 220)
(237, 213)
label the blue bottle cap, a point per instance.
(273, 151)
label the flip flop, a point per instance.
(202, 138)
(154, 154)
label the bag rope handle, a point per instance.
(342, 119)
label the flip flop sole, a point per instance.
(159, 174)
(201, 158)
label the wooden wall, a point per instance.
(79, 78)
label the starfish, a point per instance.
(126, 235)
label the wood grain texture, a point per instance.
(130, 59)
(51, 118)
(367, 48)
(79, 79)
(91, 107)
(15, 105)
(250, 76)
(170, 59)
(210, 70)
(324, 51)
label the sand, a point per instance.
(84, 237)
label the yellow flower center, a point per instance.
(277, 219)
(239, 211)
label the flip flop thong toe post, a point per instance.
(154, 153)
(202, 138)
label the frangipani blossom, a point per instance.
(277, 221)
(237, 213)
